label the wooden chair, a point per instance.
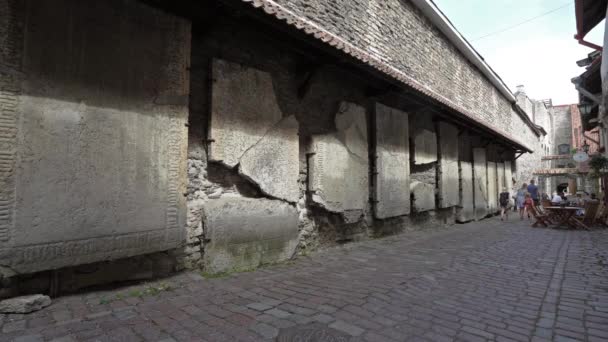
(588, 219)
(602, 216)
(542, 219)
(546, 203)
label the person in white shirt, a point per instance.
(556, 198)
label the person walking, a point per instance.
(533, 190)
(520, 198)
(504, 204)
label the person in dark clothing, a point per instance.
(504, 204)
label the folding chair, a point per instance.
(542, 219)
(602, 216)
(588, 219)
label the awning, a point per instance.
(558, 171)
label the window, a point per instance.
(563, 149)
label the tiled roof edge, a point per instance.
(312, 29)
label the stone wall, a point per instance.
(286, 149)
(399, 34)
(95, 169)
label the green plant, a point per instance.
(598, 164)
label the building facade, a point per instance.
(229, 134)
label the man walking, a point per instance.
(533, 190)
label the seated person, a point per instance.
(556, 198)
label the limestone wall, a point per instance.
(286, 149)
(92, 132)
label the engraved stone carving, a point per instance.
(466, 212)
(448, 166)
(392, 185)
(480, 178)
(101, 158)
(247, 128)
(245, 233)
(339, 166)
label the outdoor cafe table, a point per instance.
(563, 215)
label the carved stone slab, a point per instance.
(448, 165)
(392, 190)
(466, 211)
(492, 187)
(245, 233)
(500, 174)
(508, 175)
(425, 146)
(339, 167)
(273, 163)
(98, 160)
(248, 128)
(243, 110)
(480, 181)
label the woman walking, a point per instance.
(504, 204)
(520, 198)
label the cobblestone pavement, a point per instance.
(473, 282)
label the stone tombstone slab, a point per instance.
(425, 146)
(245, 233)
(97, 164)
(392, 190)
(500, 175)
(339, 166)
(508, 176)
(424, 196)
(480, 182)
(466, 210)
(492, 187)
(448, 166)
(248, 129)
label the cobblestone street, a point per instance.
(473, 282)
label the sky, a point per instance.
(541, 54)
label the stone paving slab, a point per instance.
(475, 282)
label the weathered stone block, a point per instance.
(500, 175)
(492, 189)
(339, 166)
(273, 162)
(244, 233)
(508, 175)
(24, 304)
(466, 210)
(425, 146)
(248, 128)
(392, 192)
(448, 165)
(480, 182)
(424, 196)
(93, 151)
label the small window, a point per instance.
(563, 149)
